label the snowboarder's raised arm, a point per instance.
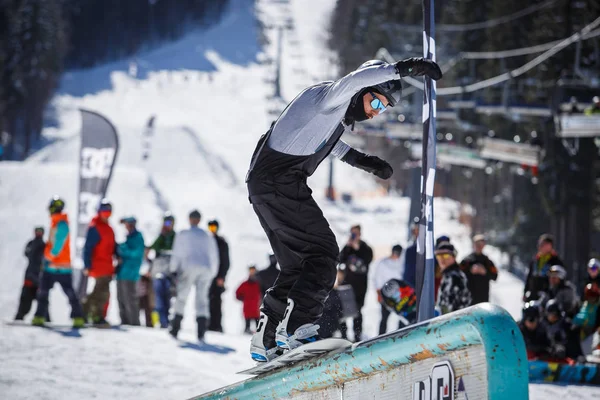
(342, 90)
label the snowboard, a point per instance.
(304, 352)
(49, 325)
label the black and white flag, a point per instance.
(99, 147)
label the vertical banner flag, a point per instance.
(425, 281)
(99, 146)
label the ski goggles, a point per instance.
(168, 223)
(444, 256)
(377, 104)
(213, 228)
(593, 267)
(105, 213)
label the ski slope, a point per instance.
(210, 94)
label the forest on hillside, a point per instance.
(39, 39)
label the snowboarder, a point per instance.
(356, 256)
(385, 269)
(266, 277)
(480, 270)
(34, 251)
(537, 275)
(217, 288)
(195, 261)
(160, 272)
(131, 254)
(99, 252)
(454, 292)
(249, 293)
(57, 266)
(308, 131)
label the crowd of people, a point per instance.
(556, 319)
(192, 259)
(558, 324)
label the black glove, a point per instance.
(419, 66)
(372, 164)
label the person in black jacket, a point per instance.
(480, 270)
(534, 333)
(546, 257)
(218, 285)
(34, 251)
(356, 257)
(266, 277)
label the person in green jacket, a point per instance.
(131, 254)
(160, 271)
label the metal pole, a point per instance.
(425, 262)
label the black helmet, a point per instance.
(56, 205)
(531, 311)
(392, 90)
(104, 205)
(213, 222)
(168, 216)
(553, 307)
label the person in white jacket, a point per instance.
(387, 268)
(194, 262)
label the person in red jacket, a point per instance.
(98, 254)
(249, 293)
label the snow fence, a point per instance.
(476, 353)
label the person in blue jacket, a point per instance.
(131, 253)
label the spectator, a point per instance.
(573, 107)
(562, 343)
(400, 298)
(57, 266)
(593, 270)
(131, 254)
(160, 271)
(480, 270)
(437, 277)
(537, 275)
(249, 293)
(266, 277)
(534, 333)
(98, 252)
(218, 284)
(386, 269)
(563, 290)
(195, 262)
(34, 251)
(356, 257)
(588, 317)
(410, 257)
(453, 293)
(145, 294)
(594, 108)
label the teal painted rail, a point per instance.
(484, 332)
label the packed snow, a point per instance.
(209, 94)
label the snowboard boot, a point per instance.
(78, 322)
(306, 333)
(201, 321)
(155, 318)
(175, 325)
(38, 321)
(262, 345)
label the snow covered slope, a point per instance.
(211, 103)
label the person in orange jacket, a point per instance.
(57, 266)
(98, 254)
(249, 293)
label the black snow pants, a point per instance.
(304, 245)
